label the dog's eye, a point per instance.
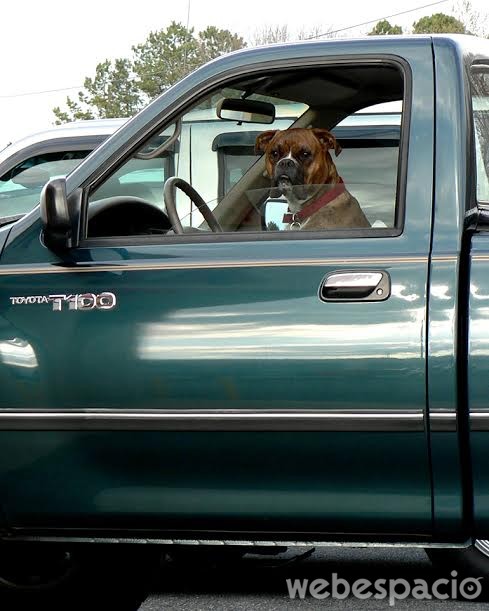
(274, 154)
(305, 154)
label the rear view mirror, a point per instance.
(245, 111)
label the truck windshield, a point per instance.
(21, 186)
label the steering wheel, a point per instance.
(169, 191)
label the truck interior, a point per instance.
(216, 157)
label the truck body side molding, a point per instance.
(214, 420)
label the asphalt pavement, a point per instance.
(130, 580)
(260, 583)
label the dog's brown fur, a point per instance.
(306, 153)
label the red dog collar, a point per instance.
(310, 209)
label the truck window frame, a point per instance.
(228, 237)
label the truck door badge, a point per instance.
(74, 301)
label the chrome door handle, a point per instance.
(355, 286)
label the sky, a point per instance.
(54, 44)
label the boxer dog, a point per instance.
(302, 170)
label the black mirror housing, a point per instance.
(57, 219)
(245, 111)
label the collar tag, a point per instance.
(295, 223)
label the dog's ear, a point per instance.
(263, 139)
(327, 140)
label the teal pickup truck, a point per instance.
(195, 372)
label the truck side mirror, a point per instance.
(58, 220)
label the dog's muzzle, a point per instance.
(287, 169)
(287, 175)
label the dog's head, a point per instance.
(296, 158)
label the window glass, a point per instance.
(480, 109)
(297, 162)
(143, 178)
(21, 186)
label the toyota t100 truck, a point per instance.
(202, 371)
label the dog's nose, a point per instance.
(286, 164)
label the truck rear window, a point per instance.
(480, 110)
